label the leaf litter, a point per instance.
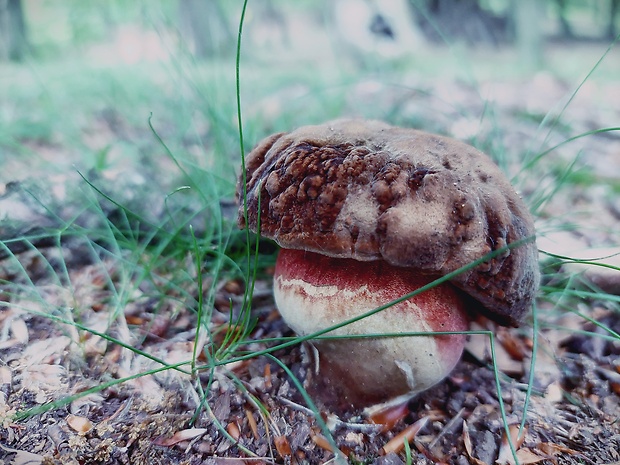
(252, 412)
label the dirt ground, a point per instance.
(253, 413)
(571, 417)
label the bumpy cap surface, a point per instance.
(369, 191)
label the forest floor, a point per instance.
(76, 319)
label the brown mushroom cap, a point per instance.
(370, 191)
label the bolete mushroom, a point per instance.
(365, 213)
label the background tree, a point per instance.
(205, 27)
(13, 33)
(528, 32)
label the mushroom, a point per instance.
(365, 213)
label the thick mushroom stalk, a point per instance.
(314, 292)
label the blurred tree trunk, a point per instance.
(611, 27)
(205, 26)
(564, 24)
(528, 32)
(13, 36)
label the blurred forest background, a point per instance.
(82, 82)
(105, 66)
(44, 29)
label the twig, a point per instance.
(333, 421)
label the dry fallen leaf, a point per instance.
(22, 457)
(252, 423)
(554, 392)
(555, 449)
(45, 381)
(45, 351)
(143, 383)
(468, 445)
(388, 417)
(282, 446)
(514, 346)
(19, 329)
(6, 376)
(180, 436)
(397, 443)
(233, 430)
(80, 424)
(505, 451)
(84, 403)
(527, 457)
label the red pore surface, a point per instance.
(314, 292)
